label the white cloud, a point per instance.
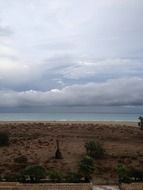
(5, 31)
(98, 28)
(72, 48)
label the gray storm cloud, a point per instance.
(126, 91)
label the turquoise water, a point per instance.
(68, 116)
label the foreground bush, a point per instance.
(136, 175)
(129, 175)
(35, 173)
(86, 167)
(10, 178)
(4, 139)
(72, 177)
(56, 176)
(123, 173)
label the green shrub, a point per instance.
(1, 178)
(136, 175)
(4, 139)
(35, 173)
(55, 175)
(123, 173)
(94, 149)
(72, 177)
(10, 177)
(86, 167)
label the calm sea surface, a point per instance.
(68, 116)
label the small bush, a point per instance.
(10, 177)
(86, 167)
(35, 173)
(4, 139)
(72, 177)
(55, 175)
(1, 178)
(94, 149)
(123, 173)
(136, 175)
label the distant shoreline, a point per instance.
(126, 123)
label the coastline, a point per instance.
(123, 123)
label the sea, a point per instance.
(61, 116)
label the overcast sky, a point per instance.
(71, 52)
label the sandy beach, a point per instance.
(123, 142)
